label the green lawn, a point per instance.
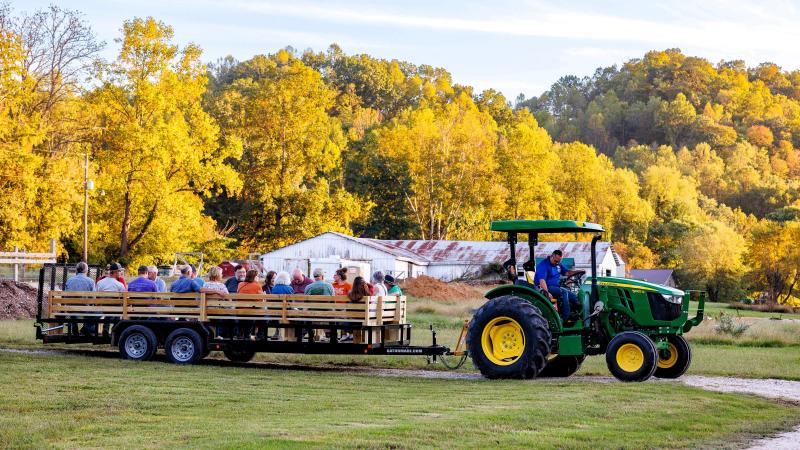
(75, 401)
(714, 309)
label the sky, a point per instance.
(511, 46)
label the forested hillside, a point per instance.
(688, 164)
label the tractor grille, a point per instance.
(662, 309)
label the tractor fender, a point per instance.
(536, 298)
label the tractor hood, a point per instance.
(634, 284)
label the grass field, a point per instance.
(72, 401)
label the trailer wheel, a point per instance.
(631, 356)
(138, 343)
(508, 338)
(562, 366)
(184, 346)
(238, 355)
(679, 359)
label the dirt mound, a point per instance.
(17, 300)
(427, 287)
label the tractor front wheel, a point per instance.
(631, 356)
(508, 338)
(677, 360)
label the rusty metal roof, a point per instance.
(484, 252)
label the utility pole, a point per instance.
(86, 209)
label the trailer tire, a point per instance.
(184, 346)
(562, 366)
(239, 355)
(631, 356)
(138, 343)
(508, 338)
(679, 360)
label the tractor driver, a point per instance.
(548, 277)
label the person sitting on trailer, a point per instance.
(111, 283)
(379, 288)
(185, 283)
(340, 284)
(269, 282)
(391, 283)
(283, 284)
(116, 274)
(250, 285)
(548, 278)
(300, 281)
(215, 284)
(319, 286)
(81, 282)
(232, 283)
(194, 276)
(152, 275)
(359, 292)
(142, 283)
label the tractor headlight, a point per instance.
(677, 299)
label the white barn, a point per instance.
(445, 260)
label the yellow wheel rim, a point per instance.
(630, 357)
(666, 363)
(503, 341)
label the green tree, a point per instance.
(713, 261)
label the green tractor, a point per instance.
(518, 332)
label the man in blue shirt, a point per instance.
(548, 278)
(185, 283)
(142, 283)
(80, 282)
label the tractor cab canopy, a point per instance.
(533, 228)
(545, 226)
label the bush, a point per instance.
(729, 325)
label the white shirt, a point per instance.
(109, 284)
(217, 286)
(380, 289)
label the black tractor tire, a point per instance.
(138, 343)
(676, 366)
(632, 356)
(184, 346)
(562, 366)
(534, 331)
(238, 354)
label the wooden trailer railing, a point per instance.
(205, 307)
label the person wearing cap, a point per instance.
(142, 283)
(391, 283)
(111, 283)
(319, 286)
(185, 283)
(118, 276)
(152, 275)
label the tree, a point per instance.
(712, 261)
(775, 259)
(291, 166)
(449, 154)
(676, 118)
(156, 149)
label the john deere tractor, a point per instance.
(518, 332)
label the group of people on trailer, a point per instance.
(244, 281)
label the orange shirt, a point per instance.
(341, 287)
(249, 288)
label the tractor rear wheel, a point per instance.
(631, 356)
(508, 338)
(562, 366)
(679, 359)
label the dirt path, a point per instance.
(788, 391)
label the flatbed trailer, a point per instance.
(189, 326)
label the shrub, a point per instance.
(729, 325)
